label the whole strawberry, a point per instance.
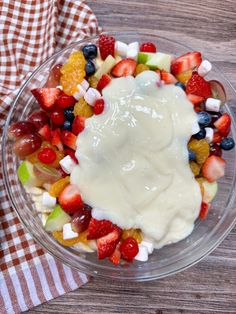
(106, 46)
(198, 86)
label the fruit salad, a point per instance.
(124, 152)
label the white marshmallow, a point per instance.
(209, 135)
(91, 96)
(204, 68)
(84, 84)
(142, 255)
(195, 128)
(48, 200)
(68, 233)
(121, 48)
(81, 92)
(148, 245)
(133, 50)
(213, 104)
(67, 164)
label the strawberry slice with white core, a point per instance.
(103, 82)
(45, 132)
(125, 67)
(46, 97)
(213, 168)
(107, 244)
(70, 199)
(186, 62)
(223, 124)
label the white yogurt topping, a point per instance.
(133, 159)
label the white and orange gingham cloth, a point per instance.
(30, 32)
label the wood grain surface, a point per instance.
(209, 286)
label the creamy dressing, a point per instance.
(133, 159)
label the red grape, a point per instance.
(81, 219)
(54, 76)
(19, 129)
(57, 116)
(27, 145)
(39, 119)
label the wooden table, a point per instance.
(210, 286)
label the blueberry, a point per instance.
(67, 125)
(68, 113)
(200, 135)
(90, 51)
(191, 155)
(227, 143)
(90, 68)
(181, 85)
(204, 118)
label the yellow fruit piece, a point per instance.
(58, 235)
(200, 182)
(76, 60)
(135, 233)
(93, 81)
(184, 76)
(195, 168)
(82, 109)
(201, 148)
(57, 187)
(140, 68)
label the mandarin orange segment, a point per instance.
(82, 109)
(57, 187)
(140, 68)
(201, 148)
(93, 81)
(184, 76)
(195, 168)
(58, 235)
(134, 233)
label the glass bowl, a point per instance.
(166, 261)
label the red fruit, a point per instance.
(19, 129)
(27, 145)
(215, 150)
(46, 173)
(46, 97)
(45, 132)
(125, 67)
(129, 249)
(47, 155)
(213, 168)
(39, 119)
(57, 116)
(54, 76)
(223, 124)
(116, 255)
(195, 100)
(65, 101)
(71, 153)
(63, 173)
(186, 62)
(106, 46)
(217, 138)
(107, 244)
(98, 106)
(168, 78)
(197, 85)
(69, 139)
(204, 210)
(80, 220)
(56, 139)
(70, 199)
(100, 228)
(103, 82)
(78, 125)
(148, 47)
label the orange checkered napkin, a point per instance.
(30, 32)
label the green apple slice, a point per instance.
(26, 174)
(161, 61)
(57, 219)
(210, 191)
(106, 67)
(143, 57)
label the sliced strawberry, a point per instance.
(45, 132)
(71, 153)
(125, 67)
(46, 97)
(69, 139)
(168, 78)
(106, 46)
(70, 199)
(195, 100)
(204, 210)
(103, 82)
(107, 244)
(116, 255)
(213, 168)
(65, 101)
(217, 138)
(99, 228)
(186, 62)
(198, 86)
(78, 125)
(223, 124)
(56, 139)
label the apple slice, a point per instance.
(106, 67)
(27, 176)
(210, 190)
(161, 61)
(57, 219)
(143, 57)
